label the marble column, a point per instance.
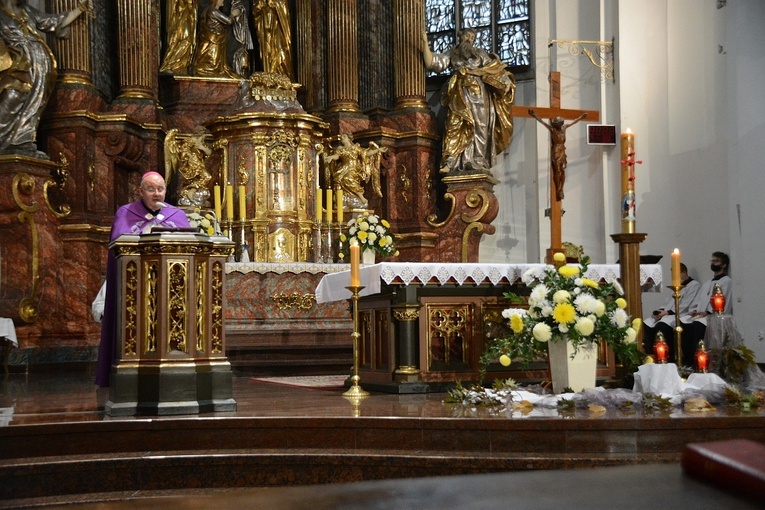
(408, 67)
(343, 56)
(138, 31)
(73, 53)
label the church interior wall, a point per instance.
(688, 84)
(745, 134)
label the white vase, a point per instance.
(368, 257)
(577, 373)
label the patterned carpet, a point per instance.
(315, 382)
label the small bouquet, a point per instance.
(370, 232)
(205, 222)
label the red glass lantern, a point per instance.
(717, 300)
(702, 358)
(660, 349)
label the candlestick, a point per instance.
(676, 268)
(242, 202)
(678, 325)
(355, 390)
(229, 202)
(318, 205)
(218, 209)
(339, 206)
(355, 280)
(329, 206)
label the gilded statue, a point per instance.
(351, 166)
(558, 159)
(210, 56)
(181, 21)
(478, 99)
(27, 69)
(272, 27)
(185, 158)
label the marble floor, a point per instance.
(53, 424)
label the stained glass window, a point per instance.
(502, 26)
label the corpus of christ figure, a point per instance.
(558, 148)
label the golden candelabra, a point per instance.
(678, 325)
(355, 390)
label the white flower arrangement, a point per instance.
(206, 223)
(370, 232)
(564, 305)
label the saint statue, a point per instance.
(186, 158)
(272, 27)
(243, 38)
(27, 69)
(210, 56)
(478, 99)
(181, 20)
(351, 166)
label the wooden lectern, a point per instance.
(170, 353)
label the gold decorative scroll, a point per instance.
(407, 314)
(216, 301)
(25, 184)
(466, 238)
(294, 300)
(131, 308)
(432, 219)
(150, 306)
(201, 278)
(177, 281)
(59, 176)
(599, 53)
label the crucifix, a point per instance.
(557, 129)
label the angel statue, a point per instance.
(351, 166)
(186, 157)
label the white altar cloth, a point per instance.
(332, 286)
(8, 331)
(284, 267)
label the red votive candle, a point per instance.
(660, 349)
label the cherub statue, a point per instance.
(186, 157)
(351, 166)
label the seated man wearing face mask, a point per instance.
(136, 218)
(695, 322)
(663, 319)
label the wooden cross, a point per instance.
(556, 209)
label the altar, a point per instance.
(274, 326)
(423, 324)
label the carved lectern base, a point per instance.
(170, 389)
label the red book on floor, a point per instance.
(737, 465)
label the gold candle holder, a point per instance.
(678, 325)
(229, 225)
(355, 390)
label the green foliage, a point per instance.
(656, 402)
(733, 363)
